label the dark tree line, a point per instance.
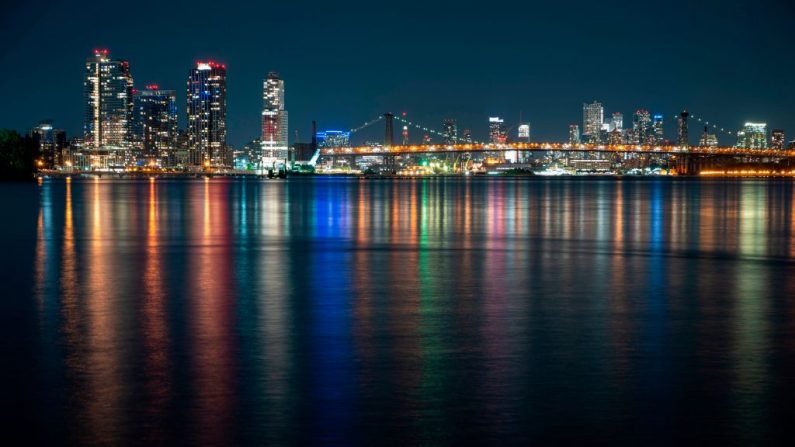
(17, 156)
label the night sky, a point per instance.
(346, 63)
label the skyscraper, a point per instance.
(777, 139)
(155, 118)
(592, 120)
(523, 132)
(753, 136)
(450, 131)
(274, 119)
(51, 142)
(658, 129)
(497, 134)
(107, 88)
(574, 134)
(682, 139)
(617, 122)
(207, 114)
(642, 127)
(707, 139)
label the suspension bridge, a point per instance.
(459, 146)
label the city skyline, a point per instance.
(338, 78)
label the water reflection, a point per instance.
(434, 311)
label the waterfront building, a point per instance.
(707, 139)
(658, 129)
(523, 132)
(617, 122)
(642, 127)
(206, 91)
(467, 135)
(592, 120)
(50, 142)
(753, 136)
(497, 133)
(450, 131)
(155, 123)
(333, 138)
(274, 119)
(107, 89)
(574, 134)
(777, 139)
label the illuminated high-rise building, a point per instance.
(155, 122)
(657, 129)
(574, 134)
(107, 88)
(523, 132)
(707, 139)
(467, 135)
(274, 119)
(617, 122)
(450, 131)
(777, 139)
(642, 127)
(405, 135)
(207, 115)
(333, 138)
(497, 133)
(50, 142)
(592, 120)
(753, 136)
(682, 139)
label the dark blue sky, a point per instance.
(346, 62)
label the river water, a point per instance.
(426, 311)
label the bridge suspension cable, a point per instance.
(432, 131)
(367, 124)
(711, 125)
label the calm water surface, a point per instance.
(433, 312)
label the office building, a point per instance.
(592, 120)
(642, 127)
(333, 138)
(777, 139)
(574, 134)
(658, 130)
(450, 131)
(617, 122)
(207, 115)
(752, 136)
(497, 133)
(107, 88)
(274, 119)
(155, 123)
(707, 139)
(50, 142)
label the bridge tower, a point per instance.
(389, 135)
(683, 139)
(389, 131)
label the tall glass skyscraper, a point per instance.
(107, 88)
(155, 119)
(658, 129)
(592, 119)
(207, 115)
(450, 131)
(274, 119)
(51, 143)
(753, 136)
(642, 127)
